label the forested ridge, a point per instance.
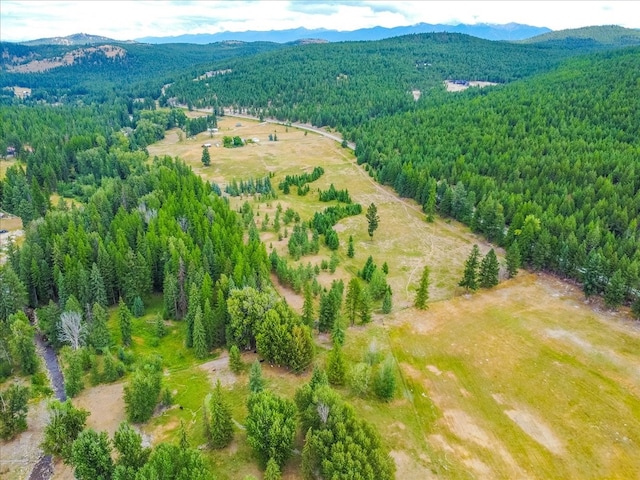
(141, 72)
(550, 162)
(346, 84)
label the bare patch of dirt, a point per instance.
(453, 86)
(537, 429)
(69, 58)
(106, 406)
(409, 468)
(18, 456)
(478, 466)
(463, 426)
(218, 369)
(435, 370)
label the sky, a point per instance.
(128, 20)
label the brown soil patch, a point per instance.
(408, 468)
(218, 369)
(106, 406)
(537, 429)
(457, 87)
(69, 58)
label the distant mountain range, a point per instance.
(604, 34)
(509, 31)
(71, 40)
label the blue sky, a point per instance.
(125, 20)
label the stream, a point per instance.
(43, 469)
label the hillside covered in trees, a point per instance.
(550, 163)
(344, 85)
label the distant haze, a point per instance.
(510, 31)
(126, 20)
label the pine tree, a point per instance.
(219, 420)
(194, 304)
(513, 259)
(124, 320)
(256, 380)
(591, 281)
(183, 441)
(307, 307)
(160, 328)
(91, 455)
(372, 219)
(199, 335)
(209, 323)
(351, 248)
(489, 270)
(235, 360)
(206, 157)
(384, 384)
(336, 366)
(307, 457)
(220, 315)
(635, 307)
(73, 383)
(302, 349)
(422, 295)
(615, 291)
(338, 334)
(387, 302)
(137, 309)
(273, 471)
(170, 297)
(99, 335)
(470, 275)
(98, 290)
(353, 298)
(365, 306)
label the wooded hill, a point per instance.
(140, 72)
(550, 163)
(605, 34)
(347, 84)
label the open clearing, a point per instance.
(526, 380)
(404, 240)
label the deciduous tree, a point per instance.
(91, 456)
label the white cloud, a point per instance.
(23, 20)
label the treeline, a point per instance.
(551, 163)
(251, 186)
(325, 220)
(333, 194)
(301, 180)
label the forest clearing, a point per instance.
(471, 365)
